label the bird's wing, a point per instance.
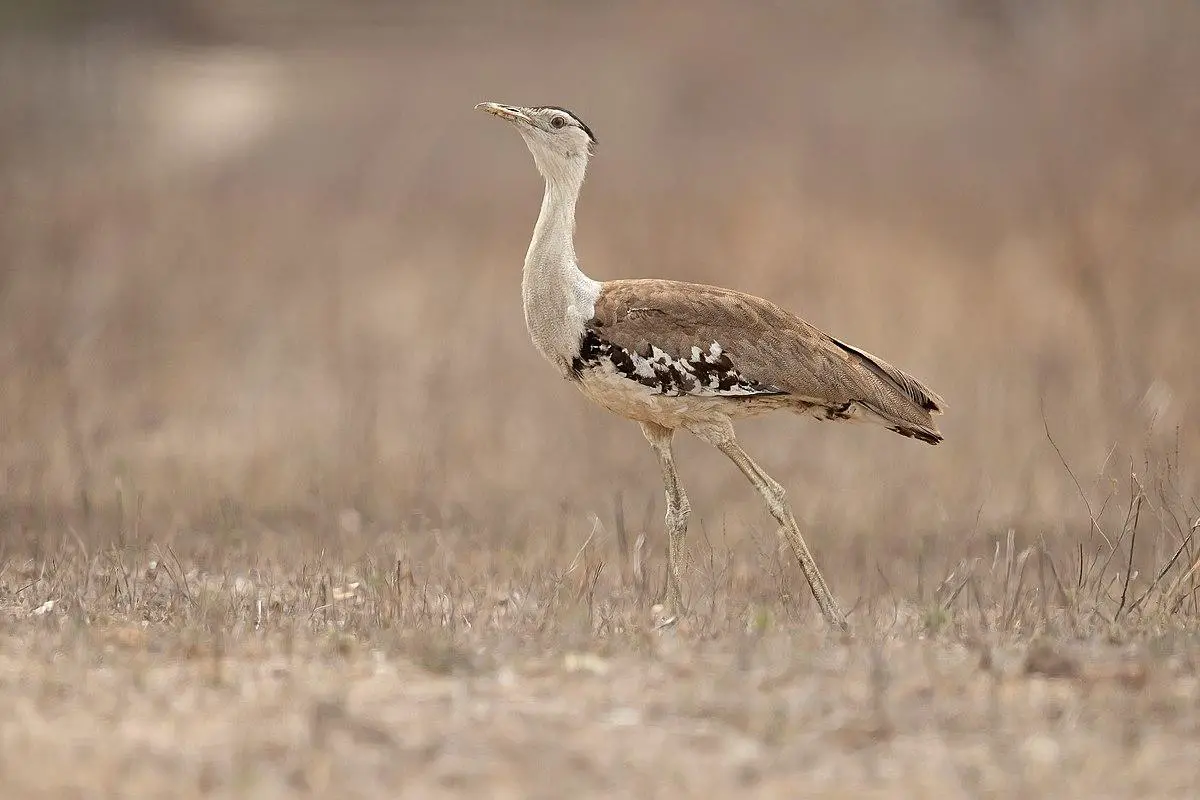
(741, 344)
(648, 332)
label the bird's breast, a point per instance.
(617, 394)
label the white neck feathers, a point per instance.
(558, 297)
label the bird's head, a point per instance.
(560, 142)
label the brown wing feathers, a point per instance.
(912, 388)
(745, 345)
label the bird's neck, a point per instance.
(558, 297)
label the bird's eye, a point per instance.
(558, 122)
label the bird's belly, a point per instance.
(634, 401)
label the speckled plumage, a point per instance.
(764, 349)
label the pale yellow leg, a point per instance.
(724, 440)
(678, 511)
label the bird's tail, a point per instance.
(907, 406)
(925, 430)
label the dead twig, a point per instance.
(1067, 467)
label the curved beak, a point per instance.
(510, 113)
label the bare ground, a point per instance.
(123, 711)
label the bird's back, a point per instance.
(744, 346)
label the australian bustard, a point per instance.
(673, 355)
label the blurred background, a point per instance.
(260, 260)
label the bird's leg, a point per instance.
(773, 494)
(678, 511)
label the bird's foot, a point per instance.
(665, 616)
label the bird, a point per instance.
(674, 356)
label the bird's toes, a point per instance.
(665, 616)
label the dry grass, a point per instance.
(289, 505)
(331, 664)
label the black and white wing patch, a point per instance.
(705, 373)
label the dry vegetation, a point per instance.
(288, 505)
